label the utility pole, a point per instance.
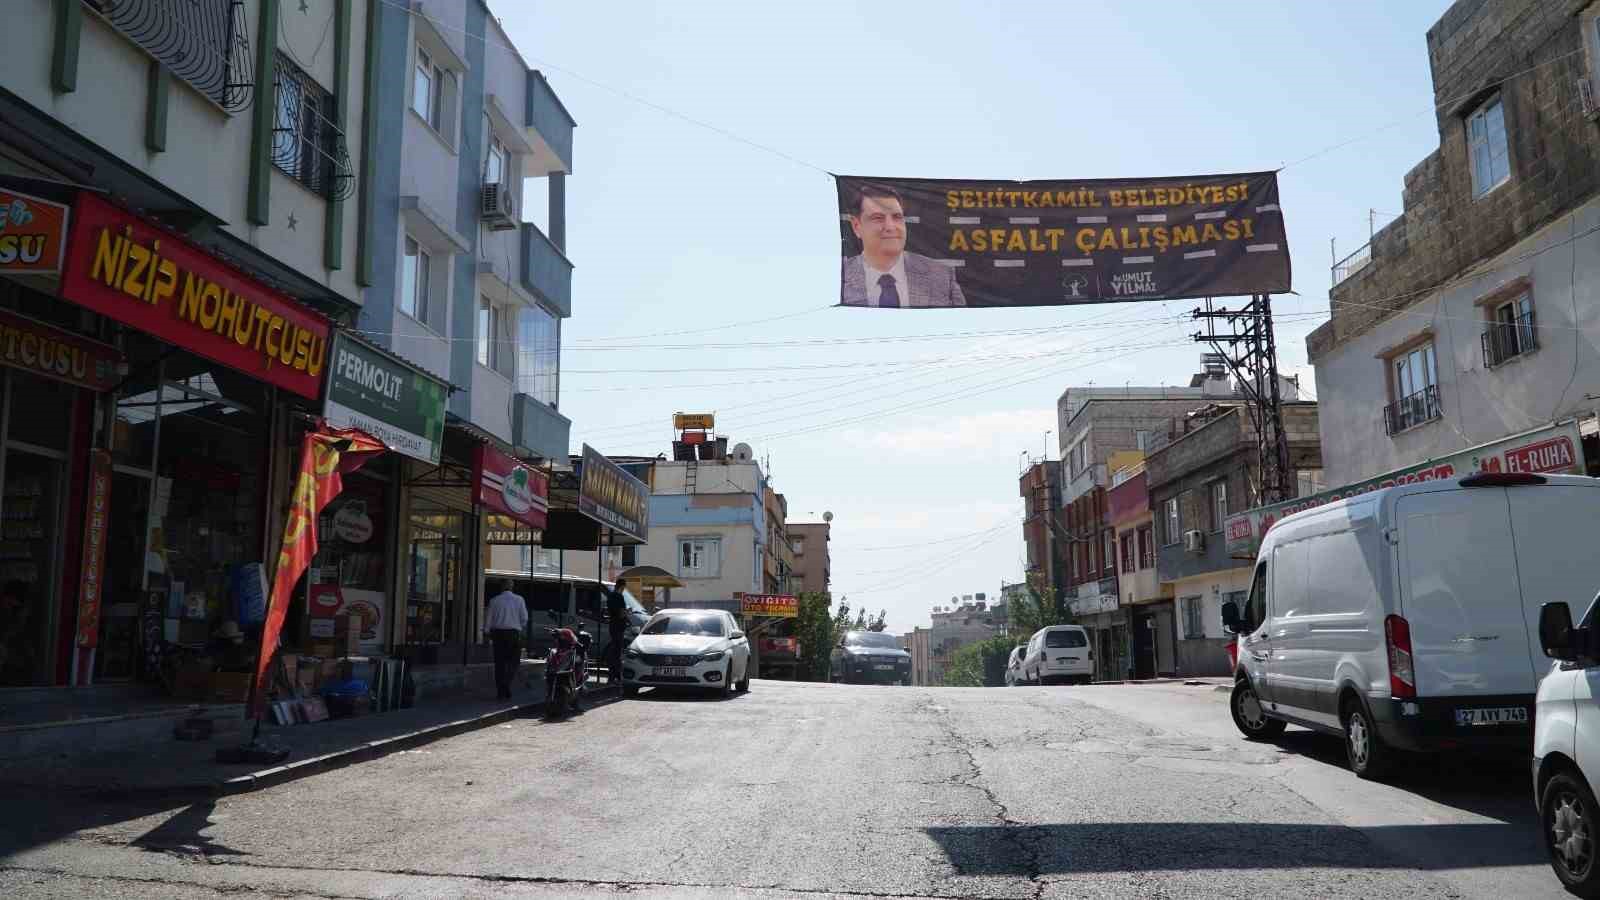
(1250, 350)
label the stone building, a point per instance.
(1462, 321)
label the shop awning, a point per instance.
(651, 577)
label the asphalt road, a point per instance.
(819, 790)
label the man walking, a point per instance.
(617, 621)
(508, 619)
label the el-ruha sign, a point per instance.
(157, 281)
(782, 606)
(515, 494)
(612, 497)
(398, 404)
(1557, 450)
(930, 243)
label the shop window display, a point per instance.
(434, 560)
(352, 551)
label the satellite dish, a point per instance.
(742, 452)
(827, 517)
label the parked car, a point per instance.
(1399, 618)
(1058, 654)
(867, 657)
(1014, 665)
(1566, 747)
(698, 648)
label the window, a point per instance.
(495, 171)
(415, 271)
(799, 545)
(700, 557)
(1141, 440)
(1129, 560)
(427, 95)
(539, 355)
(1174, 535)
(489, 352)
(630, 555)
(1147, 547)
(1219, 504)
(1486, 144)
(1080, 456)
(1510, 332)
(1065, 639)
(1194, 626)
(1108, 561)
(306, 144)
(1416, 389)
(1256, 611)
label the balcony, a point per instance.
(1353, 263)
(1506, 340)
(546, 271)
(548, 127)
(538, 430)
(1412, 410)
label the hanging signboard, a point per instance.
(694, 421)
(612, 497)
(33, 234)
(398, 404)
(140, 274)
(40, 349)
(511, 488)
(912, 243)
(783, 606)
(1556, 450)
(498, 529)
(95, 525)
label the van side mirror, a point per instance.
(1556, 634)
(1231, 622)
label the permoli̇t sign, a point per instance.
(400, 405)
(1556, 450)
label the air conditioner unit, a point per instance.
(1194, 541)
(1591, 109)
(499, 207)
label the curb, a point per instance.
(378, 749)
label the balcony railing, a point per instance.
(307, 143)
(204, 42)
(1504, 340)
(1412, 410)
(1353, 263)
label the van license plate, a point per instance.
(671, 673)
(1493, 715)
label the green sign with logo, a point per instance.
(396, 403)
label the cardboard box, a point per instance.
(230, 687)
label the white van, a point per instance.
(1566, 756)
(1406, 618)
(1058, 653)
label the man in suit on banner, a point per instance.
(885, 275)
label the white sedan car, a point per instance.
(698, 648)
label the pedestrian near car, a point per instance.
(508, 619)
(617, 622)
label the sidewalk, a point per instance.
(1211, 681)
(190, 767)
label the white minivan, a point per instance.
(1566, 747)
(1058, 654)
(1406, 618)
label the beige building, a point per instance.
(808, 542)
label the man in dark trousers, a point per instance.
(508, 619)
(617, 621)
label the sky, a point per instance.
(703, 227)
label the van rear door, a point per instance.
(1555, 527)
(1460, 595)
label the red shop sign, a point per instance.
(42, 349)
(510, 486)
(95, 524)
(159, 282)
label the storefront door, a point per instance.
(434, 558)
(28, 558)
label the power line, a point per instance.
(794, 315)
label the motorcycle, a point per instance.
(566, 673)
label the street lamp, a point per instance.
(1047, 445)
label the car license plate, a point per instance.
(676, 672)
(1493, 715)
(884, 667)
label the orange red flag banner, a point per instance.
(326, 455)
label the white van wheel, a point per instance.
(1568, 807)
(1369, 757)
(1249, 716)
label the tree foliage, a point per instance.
(820, 627)
(1034, 609)
(981, 664)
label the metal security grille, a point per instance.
(204, 42)
(307, 145)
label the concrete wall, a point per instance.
(710, 477)
(208, 150)
(1208, 654)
